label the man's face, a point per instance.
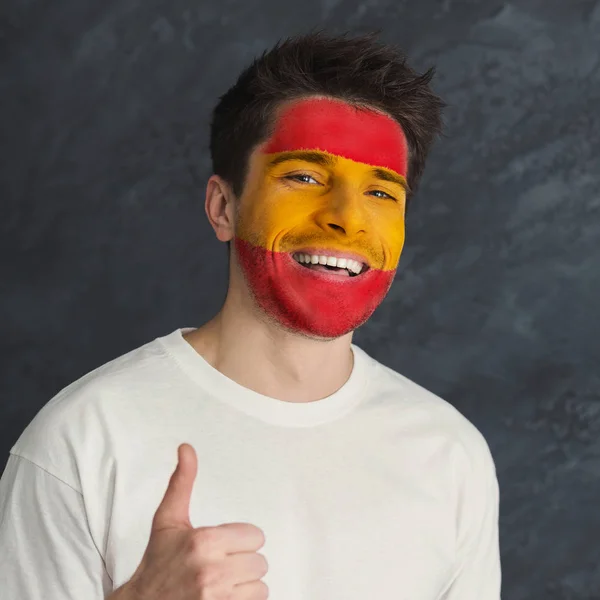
(329, 182)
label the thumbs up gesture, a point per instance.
(205, 563)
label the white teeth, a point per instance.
(332, 261)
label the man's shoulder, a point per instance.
(112, 377)
(73, 417)
(433, 415)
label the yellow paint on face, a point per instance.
(345, 205)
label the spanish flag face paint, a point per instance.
(329, 182)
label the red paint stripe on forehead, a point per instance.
(338, 128)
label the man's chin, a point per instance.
(306, 302)
(312, 335)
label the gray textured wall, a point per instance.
(105, 245)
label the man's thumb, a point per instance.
(174, 510)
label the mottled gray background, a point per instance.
(105, 245)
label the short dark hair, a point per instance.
(359, 70)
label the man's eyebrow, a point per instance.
(325, 160)
(389, 176)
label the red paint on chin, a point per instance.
(336, 127)
(304, 300)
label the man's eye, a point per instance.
(386, 195)
(301, 176)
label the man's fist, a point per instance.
(205, 563)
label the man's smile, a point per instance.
(327, 272)
(333, 262)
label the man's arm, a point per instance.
(46, 548)
(478, 571)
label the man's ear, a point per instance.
(220, 207)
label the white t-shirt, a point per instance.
(381, 490)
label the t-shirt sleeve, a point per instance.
(46, 548)
(478, 573)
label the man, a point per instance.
(352, 481)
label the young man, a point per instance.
(161, 474)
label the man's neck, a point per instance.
(271, 360)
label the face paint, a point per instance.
(351, 200)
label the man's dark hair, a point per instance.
(358, 70)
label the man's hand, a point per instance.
(206, 563)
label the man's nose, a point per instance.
(344, 213)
